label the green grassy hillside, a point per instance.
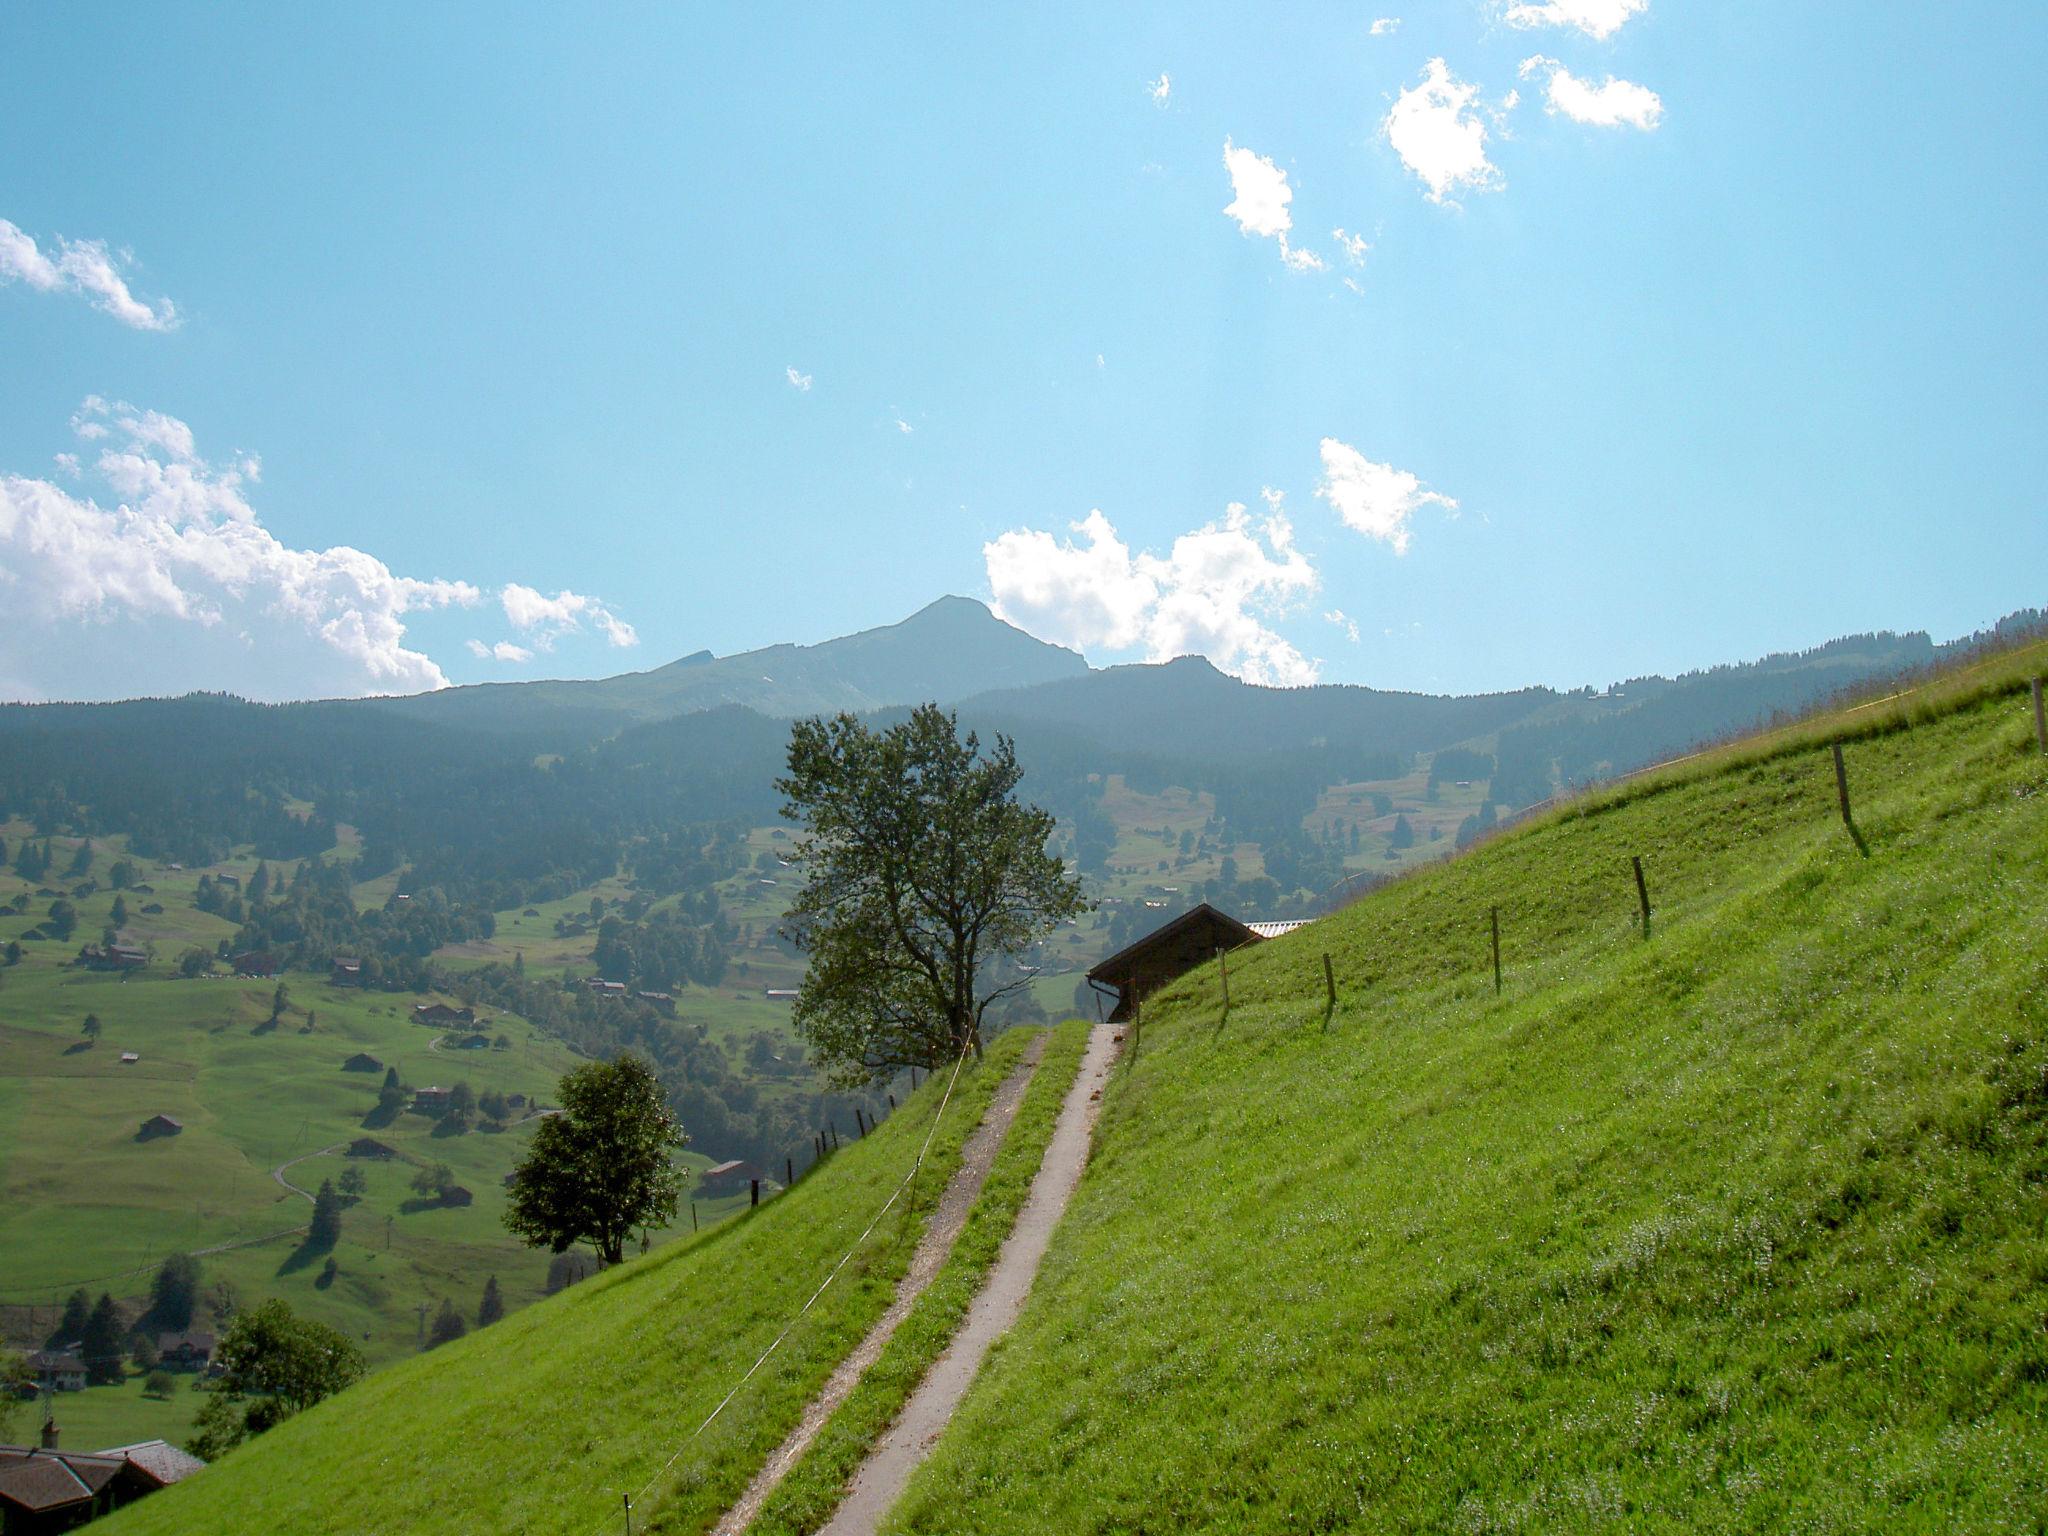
(1742, 1227)
(541, 1422)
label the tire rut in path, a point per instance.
(977, 1156)
(883, 1476)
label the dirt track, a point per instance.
(882, 1477)
(976, 1158)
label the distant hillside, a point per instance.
(944, 651)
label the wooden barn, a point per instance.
(1171, 951)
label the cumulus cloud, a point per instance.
(546, 619)
(83, 267)
(1595, 18)
(1611, 104)
(1258, 204)
(173, 583)
(801, 382)
(1377, 500)
(1212, 595)
(1438, 133)
(1161, 89)
(1345, 622)
(1386, 26)
(1354, 247)
(504, 650)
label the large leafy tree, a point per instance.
(926, 879)
(602, 1167)
(273, 1364)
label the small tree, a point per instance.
(101, 1343)
(159, 1384)
(174, 1294)
(142, 1353)
(436, 1179)
(354, 1184)
(601, 1167)
(278, 1000)
(71, 1327)
(462, 1101)
(91, 1028)
(118, 913)
(448, 1326)
(492, 1307)
(194, 962)
(273, 1364)
(924, 875)
(325, 1229)
(17, 1386)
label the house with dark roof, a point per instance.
(432, 1100)
(58, 1370)
(1169, 952)
(185, 1351)
(439, 1014)
(362, 1061)
(369, 1146)
(729, 1178)
(158, 1125)
(258, 962)
(45, 1489)
(345, 973)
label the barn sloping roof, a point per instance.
(1107, 971)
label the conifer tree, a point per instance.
(101, 1344)
(325, 1230)
(492, 1307)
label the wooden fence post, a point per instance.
(892, 1103)
(1496, 951)
(1223, 969)
(1642, 892)
(693, 1215)
(1842, 787)
(2040, 720)
(753, 1193)
(629, 1512)
(788, 1172)
(1330, 982)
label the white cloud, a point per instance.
(1354, 247)
(801, 381)
(1377, 500)
(904, 427)
(1611, 104)
(1159, 90)
(83, 267)
(1211, 595)
(1259, 199)
(1595, 18)
(504, 650)
(1260, 193)
(1345, 622)
(177, 585)
(547, 619)
(1386, 26)
(1440, 137)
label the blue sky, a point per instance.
(376, 340)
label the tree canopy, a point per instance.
(926, 879)
(602, 1167)
(273, 1364)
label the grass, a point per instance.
(807, 1497)
(100, 1418)
(543, 1421)
(1741, 1228)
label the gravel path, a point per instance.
(976, 1158)
(882, 1477)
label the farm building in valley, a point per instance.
(58, 1370)
(158, 1125)
(369, 1146)
(1172, 950)
(362, 1061)
(185, 1351)
(440, 1014)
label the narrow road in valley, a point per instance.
(883, 1476)
(976, 1158)
(277, 1173)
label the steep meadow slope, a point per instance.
(1742, 1225)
